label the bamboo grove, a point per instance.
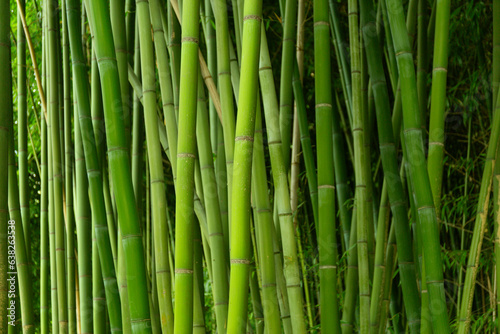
(291, 166)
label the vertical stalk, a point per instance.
(119, 168)
(418, 171)
(240, 250)
(184, 205)
(327, 242)
(438, 102)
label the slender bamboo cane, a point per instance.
(438, 100)
(68, 177)
(216, 236)
(183, 315)
(57, 167)
(330, 321)
(5, 134)
(120, 172)
(422, 60)
(157, 179)
(360, 160)
(22, 126)
(418, 171)
(291, 268)
(479, 226)
(83, 226)
(243, 146)
(351, 290)
(390, 165)
(44, 236)
(264, 232)
(287, 60)
(98, 294)
(226, 91)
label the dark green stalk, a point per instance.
(287, 60)
(418, 171)
(330, 321)
(390, 164)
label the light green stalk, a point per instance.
(119, 168)
(280, 176)
(184, 205)
(240, 250)
(435, 161)
(157, 178)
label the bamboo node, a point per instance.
(322, 23)
(221, 303)
(440, 69)
(189, 39)
(263, 68)
(325, 105)
(436, 143)
(252, 17)
(326, 186)
(215, 234)
(284, 214)
(184, 271)
(240, 261)
(327, 267)
(244, 138)
(186, 155)
(274, 142)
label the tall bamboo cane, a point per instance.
(243, 146)
(438, 100)
(291, 268)
(119, 169)
(418, 170)
(330, 321)
(184, 205)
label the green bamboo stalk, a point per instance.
(240, 250)
(305, 141)
(57, 166)
(98, 294)
(464, 316)
(16, 224)
(83, 226)
(157, 179)
(117, 12)
(5, 134)
(209, 22)
(438, 102)
(264, 232)
(360, 161)
(119, 169)
(418, 170)
(291, 268)
(216, 237)
(422, 60)
(351, 290)
(184, 220)
(22, 126)
(330, 321)
(44, 236)
(390, 165)
(287, 60)
(174, 49)
(226, 91)
(130, 22)
(94, 173)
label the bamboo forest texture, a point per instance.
(249, 166)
